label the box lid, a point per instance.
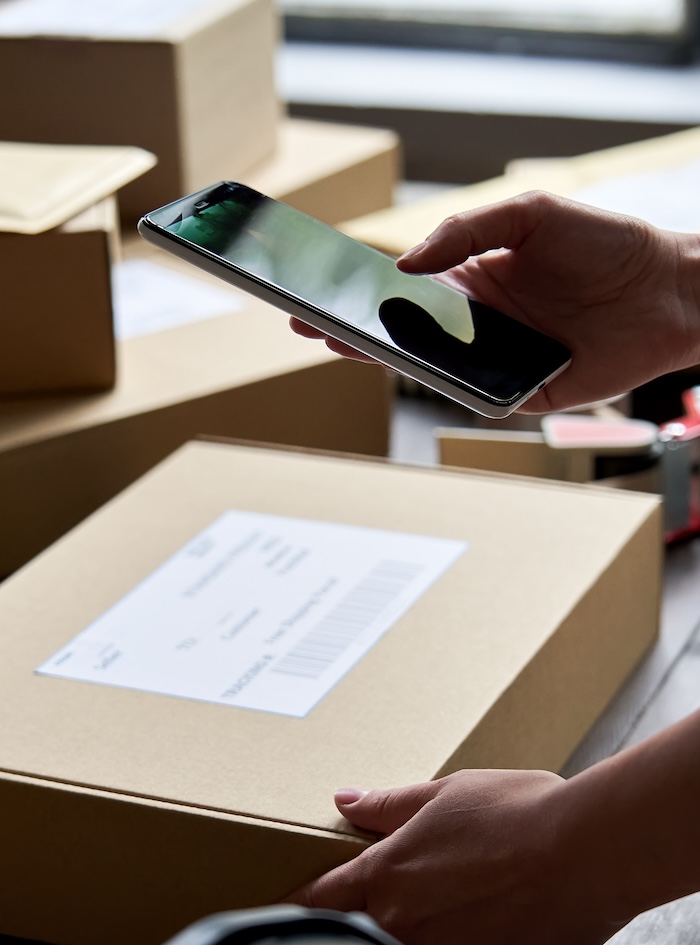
(398, 716)
(44, 185)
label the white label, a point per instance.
(110, 19)
(149, 298)
(258, 611)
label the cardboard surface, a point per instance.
(505, 661)
(197, 91)
(244, 374)
(56, 332)
(330, 171)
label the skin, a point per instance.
(622, 295)
(497, 857)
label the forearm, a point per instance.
(629, 826)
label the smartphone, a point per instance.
(284, 925)
(416, 325)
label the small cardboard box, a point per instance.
(193, 82)
(516, 452)
(178, 807)
(241, 374)
(330, 171)
(57, 332)
(58, 236)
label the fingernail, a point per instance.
(347, 796)
(409, 254)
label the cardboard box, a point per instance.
(647, 179)
(57, 330)
(529, 453)
(58, 239)
(330, 171)
(178, 807)
(193, 84)
(241, 374)
(664, 471)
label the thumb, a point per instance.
(384, 811)
(500, 225)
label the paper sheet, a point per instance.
(150, 298)
(258, 611)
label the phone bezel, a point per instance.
(405, 363)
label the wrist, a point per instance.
(687, 290)
(594, 853)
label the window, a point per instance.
(663, 31)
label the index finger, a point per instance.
(497, 226)
(301, 328)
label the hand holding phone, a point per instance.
(417, 325)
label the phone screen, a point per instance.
(434, 324)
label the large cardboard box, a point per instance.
(239, 374)
(192, 81)
(176, 807)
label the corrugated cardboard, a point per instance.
(330, 171)
(56, 328)
(243, 374)
(197, 90)
(134, 813)
(397, 229)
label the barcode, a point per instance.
(329, 639)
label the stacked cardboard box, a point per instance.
(241, 372)
(192, 82)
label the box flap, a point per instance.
(44, 185)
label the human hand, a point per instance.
(473, 857)
(623, 296)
